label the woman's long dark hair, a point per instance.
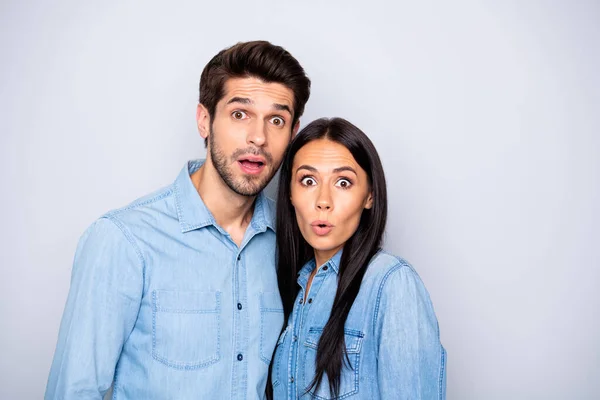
(293, 251)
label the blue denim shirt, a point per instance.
(163, 301)
(391, 336)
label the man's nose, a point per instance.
(257, 134)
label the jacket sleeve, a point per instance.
(101, 310)
(411, 359)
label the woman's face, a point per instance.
(329, 192)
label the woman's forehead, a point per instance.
(324, 154)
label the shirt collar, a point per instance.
(193, 214)
(334, 262)
(308, 268)
(264, 214)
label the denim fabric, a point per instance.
(166, 304)
(391, 336)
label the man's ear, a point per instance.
(369, 202)
(203, 120)
(295, 129)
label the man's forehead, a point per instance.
(258, 92)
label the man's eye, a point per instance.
(277, 121)
(307, 181)
(238, 114)
(343, 183)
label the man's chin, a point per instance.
(250, 188)
(246, 192)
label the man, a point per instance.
(175, 296)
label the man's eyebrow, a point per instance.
(245, 100)
(308, 167)
(242, 100)
(282, 107)
(345, 168)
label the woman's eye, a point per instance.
(238, 114)
(343, 183)
(277, 121)
(307, 181)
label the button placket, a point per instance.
(298, 321)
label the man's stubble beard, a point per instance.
(244, 185)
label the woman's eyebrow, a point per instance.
(345, 168)
(308, 167)
(335, 170)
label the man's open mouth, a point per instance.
(251, 164)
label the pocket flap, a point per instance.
(352, 337)
(186, 301)
(271, 302)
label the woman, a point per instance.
(359, 322)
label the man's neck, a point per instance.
(231, 211)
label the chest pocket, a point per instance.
(186, 328)
(349, 377)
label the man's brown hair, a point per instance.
(259, 59)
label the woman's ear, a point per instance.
(369, 202)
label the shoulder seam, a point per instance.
(159, 196)
(401, 264)
(128, 236)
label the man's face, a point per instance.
(249, 133)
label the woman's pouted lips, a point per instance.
(252, 165)
(321, 228)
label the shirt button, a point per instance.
(239, 306)
(239, 257)
(310, 300)
(325, 268)
(240, 357)
(294, 338)
(292, 379)
(301, 301)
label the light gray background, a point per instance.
(486, 116)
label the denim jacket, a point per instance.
(164, 303)
(391, 336)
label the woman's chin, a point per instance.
(322, 246)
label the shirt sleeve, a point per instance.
(101, 310)
(411, 359)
